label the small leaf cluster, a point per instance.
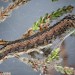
(64, 70)
(49, 17)
(54, 55)
(42, 20)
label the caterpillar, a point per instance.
(40, 38)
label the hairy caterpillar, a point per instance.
(40, 38)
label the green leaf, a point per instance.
(35, 26)
(59, 69)
(40, 20)
(69, 71)
(43, 20)
(53, 55)
(63, 70)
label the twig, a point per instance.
(5, 13)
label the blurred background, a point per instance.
(22, 19)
